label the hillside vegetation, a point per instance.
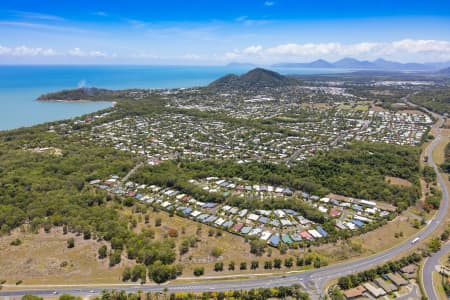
(256, 78)
(437, 100)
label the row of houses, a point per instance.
(389, 283)
(274, 226)
(350, 214)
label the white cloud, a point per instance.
(27, 51)
(421, 46)
(253, 49)
(269, 3)
(406, 49)
(305, 49)
(80, 53)
(233, 54)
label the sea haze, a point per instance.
(21, 85)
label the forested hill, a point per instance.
(256, 78)
(91, 93)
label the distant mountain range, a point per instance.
(445, 71)
(256, 78)
(379, 64)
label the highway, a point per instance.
(430, 267)
(312, 281)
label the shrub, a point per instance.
(71, 243)
(216, 252)
(102, 252)
(199, 271)
(218, 266)
(16, 242)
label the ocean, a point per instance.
(21, 85)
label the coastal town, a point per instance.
(197, 125)
(244, 127)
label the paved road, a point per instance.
(430, 267)
(312, 281)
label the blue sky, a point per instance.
(218, 32)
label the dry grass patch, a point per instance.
(385, 237)
(397, 181)
(234, 248)
(439, 151)
(44, 258)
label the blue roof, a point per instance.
(246, 229)
(275, 239)
(187, 210)
(305, 195)
(322, 231)
(291, 212)
(357, 222)
(209, 205)
(263, 220)
(227, 224)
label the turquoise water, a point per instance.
(21, 85)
